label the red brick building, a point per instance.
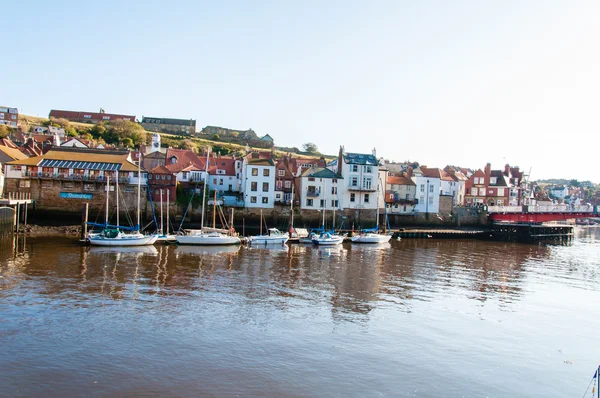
(162, 179)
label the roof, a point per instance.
(85, 159)
(163, 120)
(222, 163)
(260, 159)
(261, 162)
(92, 115)
(295, 163)
(266, 137)
(359, 158)
(320, 172)
(7, 142)
(400, 180)
(160, 170)
(432, 173)
(13, 153)
(185, 157)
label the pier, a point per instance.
(18, 202)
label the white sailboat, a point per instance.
(115, 236)
(272, 237)
(327, 238)
(205, 236)
(372, 236)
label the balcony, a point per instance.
(313, 193)
(78, 177)
(401, 199)
(362, 188)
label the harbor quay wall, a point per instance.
(60, 202)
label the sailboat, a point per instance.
(372, 235)
(272, 237)
(205, 236)
(327, 238)
(113, 235)
(163, 236)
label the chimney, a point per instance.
(409, 172)
(507, 169)
(488, 173)
(374, 152)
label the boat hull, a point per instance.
(207, 240)
(371, 238)
(328, 241)
(268, 240)
(123, 241)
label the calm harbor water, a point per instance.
(420, 318)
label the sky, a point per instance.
(438, 82)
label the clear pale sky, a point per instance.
(439, 82)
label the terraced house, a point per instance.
(169, 125)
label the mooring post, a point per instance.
(84, 220)
(25, 221)
(17, 213)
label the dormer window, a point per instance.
(173, 159)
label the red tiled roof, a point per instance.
(400, 180)
(160, 170)
(7, 142)
(185, 157)
(222, 163)
(431, 173)
(294, 163)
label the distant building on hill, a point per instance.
(172, 126)
(89, 117)
(9, 116)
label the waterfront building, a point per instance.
(168, 125)
(453, 184)
(225, 175)
(288, 171)
(497, 187)
(319, 189)
(89, 117)
(258, 181)
(63, 178)
(428, 188)
(162, 179)
(360, 173)
(400, 195)
(9, 116)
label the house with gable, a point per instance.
(288, 171)
(496, 187)
(400, 194)
(319, 189)
(360, 173)
(428, 183)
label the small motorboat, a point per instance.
(328, 239)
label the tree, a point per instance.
(310, 148)
(71, 132)
(574, 183)
(120, 129)
(4, 130)
(127, 142)
(188, 144)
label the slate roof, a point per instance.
(359, 158)
(163, 120)
(320, 172)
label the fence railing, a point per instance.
(542, 209)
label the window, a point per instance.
(422, 187)
(281, 173)
(214, 181)
(265, 187)
(87, 116)
(474, 191)
(431, 189)
(149, 176)
(105, 117)
(266, 172)
(309, 202)
(366, 198)
(25, 184)
(355, 168)
(162, 177)
(322, 202)
(311, 179)
(334, 203)
(334, 181)
(184, 175)
(493, 180)
(500, 192)
(278, 184)
(352, 197)
(265, 200)
(367, 182)
(254, 171)
(407, 196)
(431, 200)
(254, 186)
(333, 190)
(168, 177)
(252, 199)
(288, 184)
(220, 181)
(367, 169)
(354, 182)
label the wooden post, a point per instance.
(25, 221)
(84, 220)
(231, 218)
(18, 220)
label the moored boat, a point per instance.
(328, 239)
(273, 237)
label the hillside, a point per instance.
(171, 140)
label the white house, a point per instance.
(225, 174)
(400, 195)
(453, 184)
(360, 173)
(559, 192)
(74, 143)
(428, 183)
(258, 181)
(319, 189)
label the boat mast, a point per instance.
(260, 222)
(107, 193)
(161, 211)
(139, 185)
(292, 207)
(204, 191)
(168, 193)
(117, 189)
(377, 214)
(215, 210)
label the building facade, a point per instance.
(168, 125)
(9, 116)
(258, 181)
(319, 189)
(89, 117)
(400, 195)
(428, 187)
(360, 173)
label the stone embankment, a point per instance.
(39, 230)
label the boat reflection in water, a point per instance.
(205, 250)
(268, 249)
(123, 250)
